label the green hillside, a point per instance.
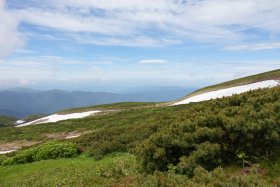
(271, 75)
(114, 106)
(7, 120)
(232, 141)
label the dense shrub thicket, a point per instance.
(115, 139)
(50, 150)
(124, 131)
(241, 128)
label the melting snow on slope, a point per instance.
(5, 152)
(18, 122)
(59, 117)
(228, 91)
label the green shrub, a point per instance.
(51, 150)
(54, 150)
(215, 132)
(206, 155)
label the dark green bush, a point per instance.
(206, 155)
(215, 132)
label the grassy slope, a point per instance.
(33, 117)
(7, 120)
(127, 117)
(80, 171)
(114, 106)
(117, 169)
(271, 75)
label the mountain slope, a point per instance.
(177, 142)
(263, 80)
(7, 120)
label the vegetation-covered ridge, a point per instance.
(187, 145)
(114, 106)
(7, 120)
(271, 75)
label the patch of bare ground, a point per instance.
(15, 145)
(65, 135)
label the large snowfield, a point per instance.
(228, 91)
(59, 117)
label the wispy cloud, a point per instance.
(254, 47)
(153, 61)
(137, 41)
(154, 23)
(25, 51)
(10, 39)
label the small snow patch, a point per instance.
(59, 117)
(5, 152)
(73, 136)
(18, 122)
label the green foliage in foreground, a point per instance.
(79, 171)
(202, 178)
(50, 150)
(120, 170)
(217, 132)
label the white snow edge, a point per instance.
(18, 122)
(59, 117)
(73, 136)
(5, 152)
(229, 91)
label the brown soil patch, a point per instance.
(16, 145)
(66, 135)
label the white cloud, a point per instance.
(128, 41)
(10, 39)
(153, 61)
(254, 47)
(121, 22)
(25, 51)
(11, 83)
(35, 70)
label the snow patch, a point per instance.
(59, 117)
(18, 122)
(73, 136)
(228, 91)
(5, 152)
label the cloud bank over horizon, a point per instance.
(164, 42)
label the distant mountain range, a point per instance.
(21, 102)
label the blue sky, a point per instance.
(114, 44)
